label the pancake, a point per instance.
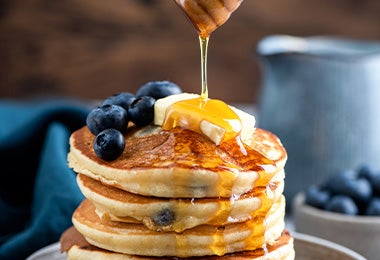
(136, 239)
(175, 214)
(173, 193)
(180, 163)
(77, 247)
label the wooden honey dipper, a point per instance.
(208, 15)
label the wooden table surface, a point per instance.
(94, 48)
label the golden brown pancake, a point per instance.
(175, 214)
(77, 247)
(180, 163)
(136, 239)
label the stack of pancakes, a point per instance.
(175, 194)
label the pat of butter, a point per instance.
(245, 126)
(215, 132)
(248, 122)
(162, 104)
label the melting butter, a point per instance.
(210, 117)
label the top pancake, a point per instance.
(180, 163)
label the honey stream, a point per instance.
(203, 41)
(207, 16)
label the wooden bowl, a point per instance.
(359, 233)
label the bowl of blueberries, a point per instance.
(344, 209)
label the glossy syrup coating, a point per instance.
(183, 162)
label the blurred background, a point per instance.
(93, 48)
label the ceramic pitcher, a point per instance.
(321, 97)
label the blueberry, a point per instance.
(109, 144)
(141, 111)
(367, 171)
(158, 89)
(107, 116)
(373, 208)
(164, 218)
(123, 99)
(359, 190)
(372, 176)
(316, 197)
(347, 183)
(342, 204)
(375, 182)
(334, 183)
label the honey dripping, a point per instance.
(207, 16)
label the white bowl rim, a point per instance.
(299, 203)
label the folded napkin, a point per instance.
(38, 192)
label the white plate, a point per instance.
(51, 252)
(307, 248)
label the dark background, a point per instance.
(91, 49)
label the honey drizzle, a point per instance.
(203, 41)
(206, 20)
(218, 246)
(256, 225)
(262, 190)
(206, 16)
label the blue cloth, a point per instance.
(38, 192)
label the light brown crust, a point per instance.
(180, 163)
(181, 148)
(136, 239)
(179, 214)
(126, 197)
